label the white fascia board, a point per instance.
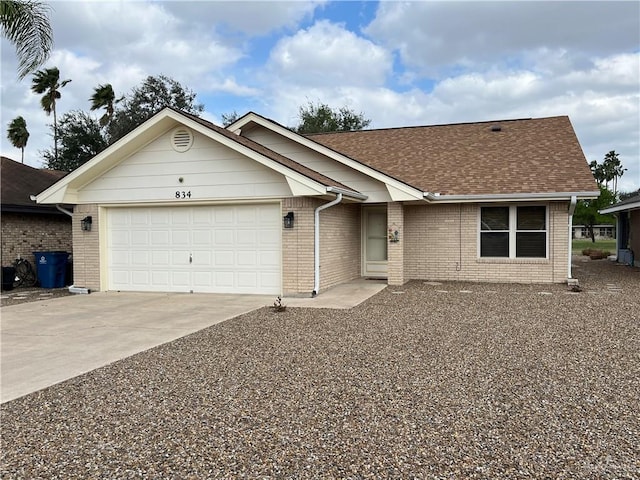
(66, 189)
(508, 197)
(620, 208)
(297, 178)
(400, 189)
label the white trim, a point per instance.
(507, 197)
(620, 208)
(406, 190)
(513, 231)
(65, 190)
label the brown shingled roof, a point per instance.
(267, 152)
(20, 181)
(526, 156)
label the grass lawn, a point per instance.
(580, 244)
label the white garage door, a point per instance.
(218, 249)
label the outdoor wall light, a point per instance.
(86, 223)
(288, 220)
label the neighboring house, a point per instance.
(26, 225)
(601, 232)
(628, 226)
(180, 204)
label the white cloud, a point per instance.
(433, 35)
(329, 55)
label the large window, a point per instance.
(513, 232)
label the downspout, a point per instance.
(572, 208)
(316, 242)
(64, 210)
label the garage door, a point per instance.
(218, 249)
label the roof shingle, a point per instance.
(525, 156)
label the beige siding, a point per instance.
(375, 190)
(339, 245)
(86, 249)
(442, 244)
(209, 171)
(395, 250)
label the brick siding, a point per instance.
(86, 249)
(339, 245)
(25, 233)
(442, 244)
(395, 250)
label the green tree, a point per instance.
(25, 23)
(586, 212)
(144, 101)
(625, 195)
(81, 139)
(229, 118)
(609, 171)
(48, 82)
(104, 97)
(18, 134)
(320, 117)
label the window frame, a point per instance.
(513, 231)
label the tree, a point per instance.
(229, 118)
(144, 101)
(586, 212)
(610, 170)
(25, 23)
(318, 118)
(80, 140)
(17, 134)
(625, 195)
(104, 97)
(48, 82)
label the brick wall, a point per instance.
(23, 234)
(395, 250)
(339, 245)
(442, 244)
(86, 249)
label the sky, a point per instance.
(398, 63)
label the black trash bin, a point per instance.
(52, 268)
(8, 277)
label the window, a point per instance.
(513, 232)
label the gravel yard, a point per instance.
(428, 380)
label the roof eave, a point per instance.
(403, 191)
(620, 208)
(508, 197)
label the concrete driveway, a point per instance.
(47, 342)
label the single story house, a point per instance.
(628, 226)
(180, 204)
(26, 225)
(601, 232)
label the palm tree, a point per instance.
(104, 97)
(25, 23)
(48, 82)
(17, 134)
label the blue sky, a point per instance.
(400, 63)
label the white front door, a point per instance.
(216, 249)
(374, 249)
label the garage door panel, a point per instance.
(247, 279)
(233, 249)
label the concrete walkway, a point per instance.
(49, 341)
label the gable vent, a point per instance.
(181, 139)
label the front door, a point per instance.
(374, 249)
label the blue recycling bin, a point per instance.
(52, 268)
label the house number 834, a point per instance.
(183, 194)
